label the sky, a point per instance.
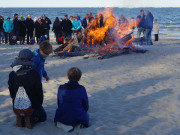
(90, 3)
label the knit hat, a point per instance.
(21, 16)
(24, 58)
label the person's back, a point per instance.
(149, 21)
(72, 101)
(67, 26)
(24, 77)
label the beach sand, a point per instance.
(134, 94)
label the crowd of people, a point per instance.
(18, 29)
(25, 81)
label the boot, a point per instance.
(18, 121)
(27, 122)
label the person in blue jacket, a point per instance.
(140, 22)
(76, 25)
(72, 102)
(8, 28)
(148, 27)
(45, 48)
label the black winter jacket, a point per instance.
(38, 29)
(46, 23)
(22, 30)
(16, 25)
(31, 83)
(29, 25)
(67, 26)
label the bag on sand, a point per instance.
(22, 108)
(22, 101)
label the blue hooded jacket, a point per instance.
(149, 21)
(38, 63)
(77, 24)
(8, 25)
(72, 105)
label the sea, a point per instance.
(168, 18)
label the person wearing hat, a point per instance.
(22, 31)
(25, 76)
(8, 28)
(67, 28)
(40, 55)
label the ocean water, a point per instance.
(168, 18)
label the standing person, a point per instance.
(46, 25)
(40, 55)
(91, 18)
(55, 27)
(140, 23)
(148, 27)
(77, 25)
(67, 28)
(156, 30)
(22, 30)
(38, 29)
(24, 80)
(16, 26)
(1, 28)
(85, 21)
(30, 28)
(72, 96)
(71, 18)
(8, 28)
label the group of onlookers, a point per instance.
(144, 23)
(18, 29)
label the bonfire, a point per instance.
(104, 37)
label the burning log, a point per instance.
(60, 48)
(113, 54)
(71, 54)
(67, 46)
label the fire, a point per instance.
(107, 32)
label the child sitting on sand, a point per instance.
(72, 103)
(26, 91)
(40, 55)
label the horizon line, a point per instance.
(89, 7)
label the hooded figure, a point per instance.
(8, 25)
(24, 75)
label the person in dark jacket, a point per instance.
(72, 102)
(140, 23)
(148, 27)
(85, 21)
(67, 28)
(24, 75)
(16, 26)
(46, 25)
(30, 28)
(38, 29)
(91, 18)
(1, 28)
(55, 28)
(22, 30)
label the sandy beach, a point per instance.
(133, 94)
